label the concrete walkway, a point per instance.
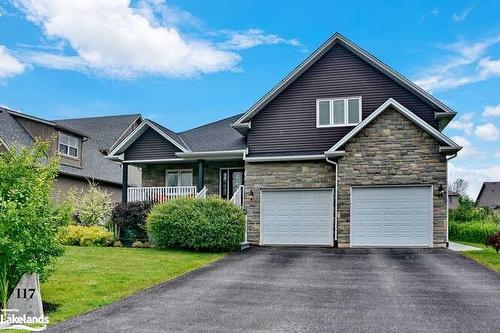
(457, 247)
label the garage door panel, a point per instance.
(391, 216)
(297, 217)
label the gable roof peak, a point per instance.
(357, 50)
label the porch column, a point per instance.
(201, 175)
(124, 182)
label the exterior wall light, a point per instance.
(250, 195)
(441, 190)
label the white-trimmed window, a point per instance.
(176, 178)
(68, 145)
(345, 111)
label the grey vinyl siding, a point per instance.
(149, 146)
(288, 123)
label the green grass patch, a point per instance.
(473, 231)
(86, 278)
(487, 257)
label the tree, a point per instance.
(459, 186)
(29, 222)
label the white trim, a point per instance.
(331, 102)
(215, 153)
(68, 145)
(137, 133)
(404, 111)
(337, 153)
(431, 213)
(284, 158)
(178, 171)
(316, 55)
(220, 178)
(129, 126)
(153, 161)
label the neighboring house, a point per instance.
(82, 145)
(489, 195)
(453, 199)
(344, 150)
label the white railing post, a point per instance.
(159, 194)
(238, 198)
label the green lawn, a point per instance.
(487, 256)
(86, 278)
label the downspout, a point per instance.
(447, 202)
(335, 243)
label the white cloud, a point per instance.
(492, 111)
(465, 65)
(112, 38)
(475, 176)
(488, 132)
(464, 123)
(9, 66)
(459, 17)
(497, 154)
(468, 149)
(238, 40)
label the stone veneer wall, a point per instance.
(154, 174)
(392, 150)
(303, 174)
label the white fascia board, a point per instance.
(317, 55)
(137, 133)
(284, 158)
(166, 136)
(164, 160)
(404, 111)
(219, 153)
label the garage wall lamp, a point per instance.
(441, 190)
(250, 195)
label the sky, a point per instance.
(186, 63)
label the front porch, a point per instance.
(165, 181)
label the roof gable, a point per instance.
(243, 121)
(489, 195)
(405, 112)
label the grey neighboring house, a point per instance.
(453, 199)
(344, 151)
(82, 145)
(489, 195)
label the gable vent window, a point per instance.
(68, 145)
(332, 112)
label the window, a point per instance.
(175, 178)
(68, 145)
(338, 111)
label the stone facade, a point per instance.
(392, 150)
(293, 175)
(154, 174)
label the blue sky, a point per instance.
(185, 63)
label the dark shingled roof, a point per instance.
(11, 132)
(170, 133)
(103, 133)
(215, 136)
(489, 195)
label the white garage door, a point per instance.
(391, 216)
(297, 217)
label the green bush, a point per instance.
(85, 236)
(94, 207)
(467, 211)
(474, 231)
(198, 224)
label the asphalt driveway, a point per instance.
(314, 289)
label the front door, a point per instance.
(230, 181)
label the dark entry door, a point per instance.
(230, 181)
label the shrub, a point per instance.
(195, 223)
(130, 220)
(467, 211)
(493, 241)
(29, 222)
(85, 236)
(475, 231)
(94, 208)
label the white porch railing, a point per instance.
(202, 193)
(159, 194)
(238, 197)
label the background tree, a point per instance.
(29, 222)
(459, 186)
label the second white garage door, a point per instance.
(297, 217)
(391, 216)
